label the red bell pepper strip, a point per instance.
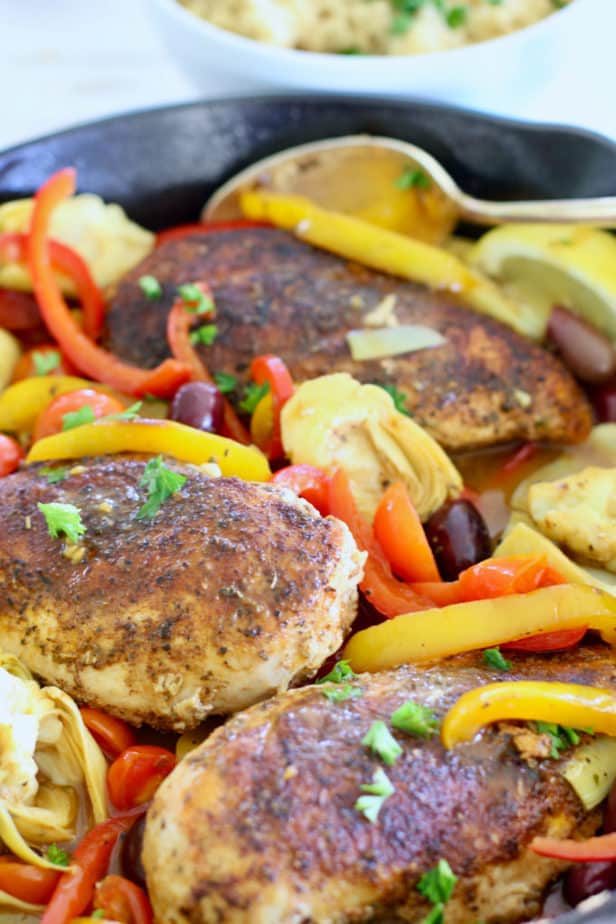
(520, 457)
(271, 369)
(136, 774)
(548, 641)
(386, 594)
(182, 231)
(179, 322)
(90, 861)
(122, 900)
(112, 734)
(308, 482)
(71, 263)
(83, 352)
(588, 851)
(442, 593)
(401, 536)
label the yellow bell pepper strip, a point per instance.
(570, 704)
(154, 436)
(387, 251)
(437, 633)
(21, 403)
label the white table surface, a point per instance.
(68, 61)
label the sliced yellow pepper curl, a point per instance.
(437, 633)
(154, 436)
(389, 252)
(569, 704)
(21, 403)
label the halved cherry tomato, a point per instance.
(51, 420)
(25, 882)
(136, 774)
(181, 231)
(113, 735)
(400, 534)
(548, 641)
(11, 455)
(123, 901)
(308, 482)
(39, 359)
(271, 369)
(499, 577)
(18, 311)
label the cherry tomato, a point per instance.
(308, 482)
(123, 901)
(45, 359)
(136, 774)
(51, 419)
(25, 882)
(548, 641)
(11, 455)
(113, 735)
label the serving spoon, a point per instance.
(365, 175)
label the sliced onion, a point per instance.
(381, 342)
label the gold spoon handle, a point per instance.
(600, 212)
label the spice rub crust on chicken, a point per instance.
(234, 591)
(258, 824)
(275, 294)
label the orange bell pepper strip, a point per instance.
(593, 849)
(399, 532)
(14, 246)
(107, 437)
(569, 704)
(80, 349)
(271, 369)
(179, 323)
(21, 403)
(439, 633)
(388, 595)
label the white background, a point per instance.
(67, 61)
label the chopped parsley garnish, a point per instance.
(456, 16)
(380, 740)
(150, 286)
(54, 475)
(343, 692)
(252, 395)
(398, 397)
(58, 856)
(45, 361)
(84, 415)
(161, 482)
(205, 334)
(562, 736)
(437, 886)
(130, 413)
(411, 177)
(226, 383)
(63, 518)
(195, 299)
(351, 51)
(341, 672)
(494, 658)
(377, 791)
(415, 720)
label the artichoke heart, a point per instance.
(336, 421)
(46, 756)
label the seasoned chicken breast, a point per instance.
(234, 591)
(258, 825)
(275, 294)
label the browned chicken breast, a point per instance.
(234, 591)
(258, 825)
(275, 294)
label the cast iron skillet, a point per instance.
(162, 164)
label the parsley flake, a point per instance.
(438, 883)
(63, 518)
(225, 382)
(84, 415)
(130, 413)
(341, 672)
(411, 178)
(205, 334)
(380, 740)
(252, 395)
(45, 361)
(494, 658)
(150, 286)
(562, 736)
(379, 790)
(58, 856)
(457, 16)
(415, 720)
(161, 482)
(342, 692)
(54, 475)
(195, 299)
(398, 397)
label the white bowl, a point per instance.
(485, 73)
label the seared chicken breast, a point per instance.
(231, 593)
(275, 294)
(259, 823)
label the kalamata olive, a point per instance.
(609, 811)
(586, 879)
(199, 405)
(604, 402)
(458, 536)
(130, 855)
(585, 350)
